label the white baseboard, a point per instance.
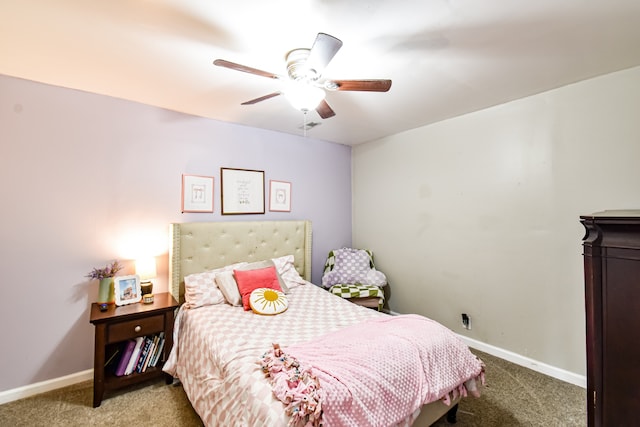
(43, 386)
(543, 368)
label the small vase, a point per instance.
(105, 291)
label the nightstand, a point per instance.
(120, 324)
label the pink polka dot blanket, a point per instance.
(372, 373)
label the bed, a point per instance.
(223, 355)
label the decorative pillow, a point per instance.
(200, 288)
(263, 264)
(250, 280)
(287, 270)
(268, 301)
(353, 266)
(229, 288)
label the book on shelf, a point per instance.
(136, 355)
(151, 353)
(124, 357)
(133, 360)
(144, 353)
(158, 350)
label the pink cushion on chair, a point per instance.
(250, 280)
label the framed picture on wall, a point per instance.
(279, 196)
(127, 289)
(242, 191)
(197, 193)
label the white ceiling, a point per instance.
(446, 58)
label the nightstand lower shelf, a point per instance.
(113, 382)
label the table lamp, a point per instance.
(146, 269)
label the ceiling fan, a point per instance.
(305, 85)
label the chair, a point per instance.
(351, 274)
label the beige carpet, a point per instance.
(513, 396)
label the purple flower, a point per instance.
(109, 271)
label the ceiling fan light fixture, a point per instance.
(304, 97)
(297, 67)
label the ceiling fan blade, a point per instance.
(359, 85)
(322, 52)
(244, 68)
(262, 98)
(324, 110)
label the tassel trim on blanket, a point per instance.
(470, 387)
(295, 386)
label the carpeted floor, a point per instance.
(517, 396)
(512, 396)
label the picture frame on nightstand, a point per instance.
(127, 289)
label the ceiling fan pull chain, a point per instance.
(304, 122)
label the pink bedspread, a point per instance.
(410, 360)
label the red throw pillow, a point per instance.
(248, 280)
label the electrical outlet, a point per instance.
(466, 321)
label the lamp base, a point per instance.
(146, 288)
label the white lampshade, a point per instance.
(304, 97)
(146, 268)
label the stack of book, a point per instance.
(138, 354)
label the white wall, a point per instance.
(480, 213)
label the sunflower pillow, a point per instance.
(268, 301)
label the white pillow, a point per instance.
(229, 288)
(268, 301)
(200, 288)
(287, 271)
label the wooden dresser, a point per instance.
(612, 290)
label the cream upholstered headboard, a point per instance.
(202, 246)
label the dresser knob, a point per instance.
(138, 328)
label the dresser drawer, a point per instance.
(135, 328)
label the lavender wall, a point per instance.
(86, 178)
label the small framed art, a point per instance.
(279, 196)
(197, 193)
(242, 191)
(127, 289)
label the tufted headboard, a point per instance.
(201, 246)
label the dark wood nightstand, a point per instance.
(119, 324)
